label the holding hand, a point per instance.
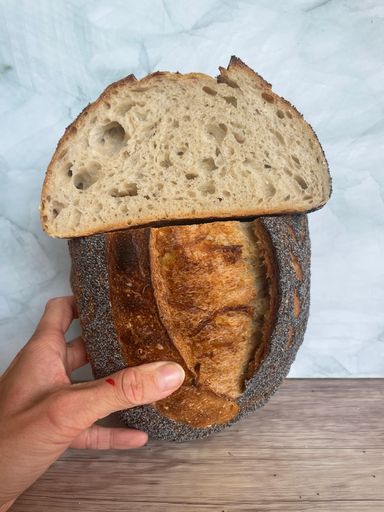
(43, 414)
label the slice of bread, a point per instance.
(172, 147)
(229, 301)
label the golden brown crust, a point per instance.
(143, 337)
(208, 288)
(235, 65)
(197, 406)
(194, 294)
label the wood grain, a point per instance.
(317, 446)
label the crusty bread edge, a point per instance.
(235, 64)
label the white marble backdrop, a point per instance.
(326, 57)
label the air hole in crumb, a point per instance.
(310, 143)
(217, 151)
(270, 190)
(166, 163)
(231, 100)
(68, 169)
(226, 193)
(217, 131)
(289, 115)
(107, 105)
(318, 160)
(278, 136)
(125, 107)
(296, 160)
(209, 91)
(209, 164)
(249, 162)
(240, 138)
(280, 114)
(288, 171)
(208, 188)
(268, 97)
(127, 190)
(56, 208)
(191, 193)
(45, 218)
(191, 175)
(86, 177)
(287, 198)
(108, 138)
(63, 153)
(303, 184)
(267, 166)
(186, 118)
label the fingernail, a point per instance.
(169, 376)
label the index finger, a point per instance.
(57, 317)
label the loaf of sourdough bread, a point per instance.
(227, 300)
(184, 198)
(173, 148)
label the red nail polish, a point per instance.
(110, 381)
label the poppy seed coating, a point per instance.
(290, 243)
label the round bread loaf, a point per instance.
(227, 300)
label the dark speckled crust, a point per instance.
(89, 279)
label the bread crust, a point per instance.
(235, 65)
(95, 276)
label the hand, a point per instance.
(42, 413)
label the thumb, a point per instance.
(87, 402)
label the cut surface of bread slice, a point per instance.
(170, 148)
(227, 300)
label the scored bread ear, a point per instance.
(236, 66)
(129, 316)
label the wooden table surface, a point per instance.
(317, 446)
